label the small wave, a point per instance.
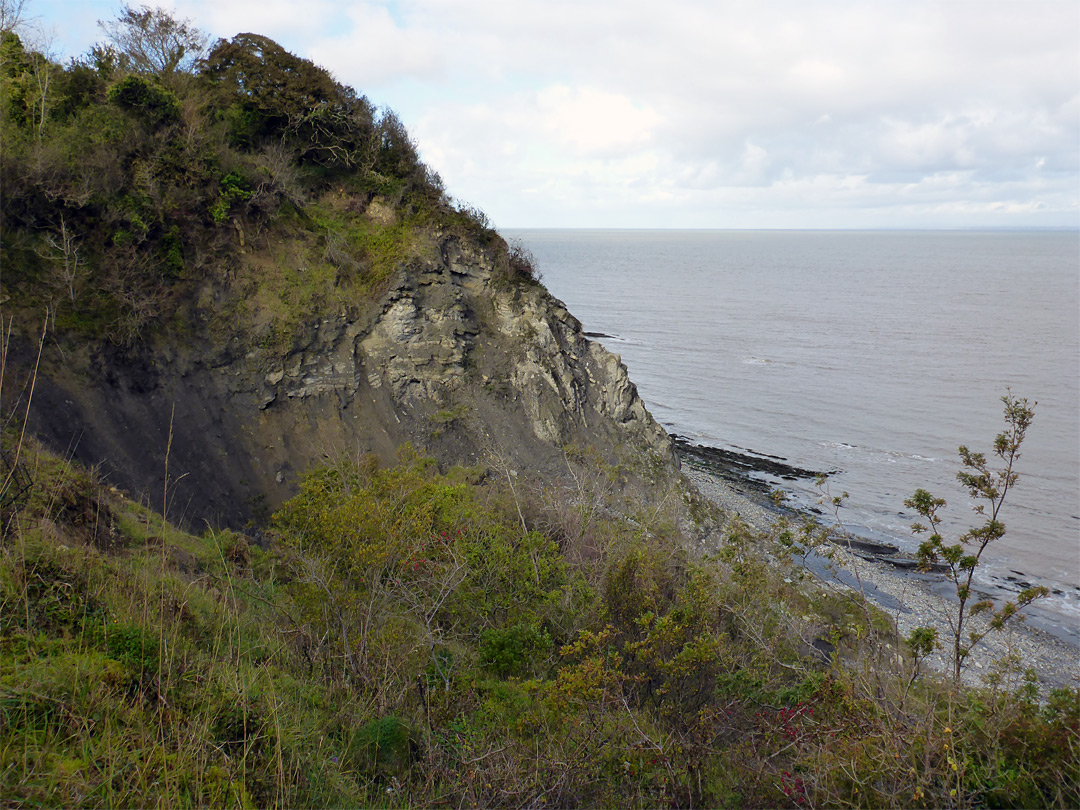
(889, 455)
(755, 361)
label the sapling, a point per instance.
(962, 558)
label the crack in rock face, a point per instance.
(446, 358)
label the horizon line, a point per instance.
(1056, 228)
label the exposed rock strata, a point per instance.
(467, 369)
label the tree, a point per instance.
(63, 252)
(153, 41)
(397, 155)
(963, 558)
(41, 73)
(271, 94)
(11, 15)
(26, 75)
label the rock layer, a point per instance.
(468, 369)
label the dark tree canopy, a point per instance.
(274, 92)
(268, 77)
(396, 154)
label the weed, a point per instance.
(417, 637)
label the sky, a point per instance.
(699, 113)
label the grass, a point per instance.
(404, 641)
(140, 663)
(331, 262)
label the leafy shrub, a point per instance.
(962, 559)
(266, 92)
(234, 187)
(514, 650)
(174, 252)
(81, 87)
(515, 263)
(150, 101)
(634, 585)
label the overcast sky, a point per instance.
(698, 114)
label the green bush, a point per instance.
(133, 647)
(150, 101)
(234, 187)
(382, 645)
(635, 585)
(516, 650)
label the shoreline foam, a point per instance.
(911, 599)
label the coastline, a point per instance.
(911, 598)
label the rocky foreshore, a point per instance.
(908, 596)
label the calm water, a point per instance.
(875, 353)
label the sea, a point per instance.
(872, 355)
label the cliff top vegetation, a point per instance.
(136, 178)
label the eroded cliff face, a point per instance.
(467, 369)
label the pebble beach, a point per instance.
(1055, 662)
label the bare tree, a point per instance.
(153, 41)
(63, 252)
(11, 15)
(42, 68)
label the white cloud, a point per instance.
(869, 113)
(278, 19)
(839, 106)
(929, 145)
(755, 161)
(378, 49)
(592, 122)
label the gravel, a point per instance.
(1055, 663)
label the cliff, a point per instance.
(247, 271)
(468, 369)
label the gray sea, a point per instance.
(872, 353)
